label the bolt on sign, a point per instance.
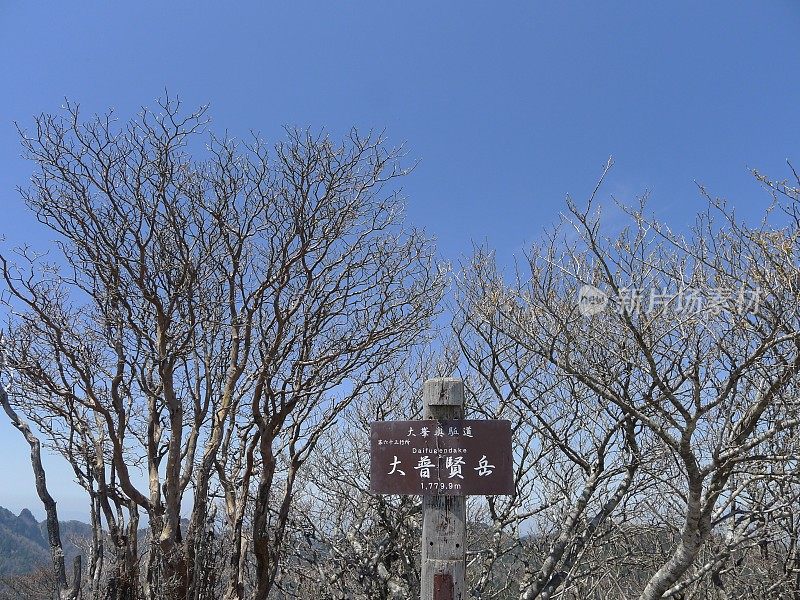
(445, 458)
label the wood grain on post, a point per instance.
(443, 517)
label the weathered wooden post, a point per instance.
(443, 517)
(444, 458)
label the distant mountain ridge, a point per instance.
(23, 541)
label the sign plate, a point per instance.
(446, 458)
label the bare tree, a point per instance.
(348, 541)
(66, 590)
(692, 338)
(576, 459)
(252, 296)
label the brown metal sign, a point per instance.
(451, 458)
(442, 586)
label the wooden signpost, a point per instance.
(444, 458)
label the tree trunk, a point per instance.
(265, 569)
(693, 535)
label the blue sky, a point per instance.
(507, 107)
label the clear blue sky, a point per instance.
(508, 107)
